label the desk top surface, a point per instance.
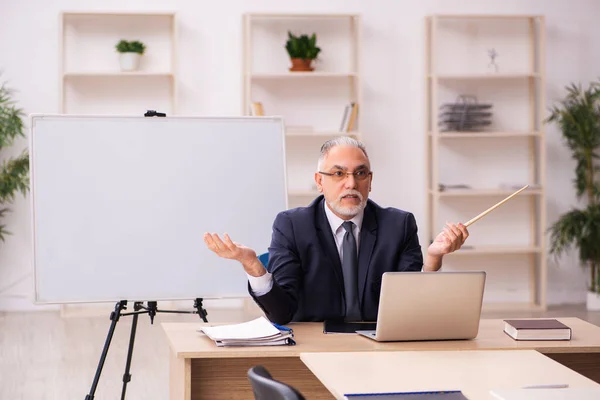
(474, 373)
(187, 342)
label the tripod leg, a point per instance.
(114, 316)
(127, 375)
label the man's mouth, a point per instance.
(350, 196)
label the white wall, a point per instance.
(392, 115)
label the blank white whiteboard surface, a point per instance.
(120, 204)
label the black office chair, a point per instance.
(267, 388)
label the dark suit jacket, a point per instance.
(307, 274)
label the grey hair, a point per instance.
(339, 141)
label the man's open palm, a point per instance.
(226, 248)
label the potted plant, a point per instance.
(14, 171)
(578, 117)
(130, 53)
(302, 51)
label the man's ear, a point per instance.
(318, 180)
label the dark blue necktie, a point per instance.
(350, 269)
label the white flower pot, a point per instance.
(593, 301)
(129, 61)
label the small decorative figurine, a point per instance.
(492, 66)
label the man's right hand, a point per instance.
(226, 248)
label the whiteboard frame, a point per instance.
(35, 116)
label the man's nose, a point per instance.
(350, 182)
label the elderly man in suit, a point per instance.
(326, 260)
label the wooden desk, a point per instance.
(474, 373)
(200, 370)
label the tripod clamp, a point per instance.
(151, 309)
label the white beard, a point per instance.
(348, 211)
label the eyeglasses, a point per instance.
(339, 176)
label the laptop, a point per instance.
(417, 306)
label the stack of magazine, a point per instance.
(465, 115)
(258, 332)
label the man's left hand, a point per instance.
(450, 239)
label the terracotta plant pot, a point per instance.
(301, 64)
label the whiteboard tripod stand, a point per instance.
(139, 308)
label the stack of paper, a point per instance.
(259, 332)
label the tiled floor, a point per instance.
(45, 356)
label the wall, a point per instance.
(392, 114)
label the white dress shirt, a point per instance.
(261, 285)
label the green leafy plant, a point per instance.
(14, 172)
(302, 46)
(578, 117)
(134, 46)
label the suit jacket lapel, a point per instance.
(368, 236)
(328, 242)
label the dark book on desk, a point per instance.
(436, 395)
(536, 329)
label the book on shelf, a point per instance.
(349, 119)
(536, 329)
(353, 118)
(257, 109)
(258, 332)
(345, 119)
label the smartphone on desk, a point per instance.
(340, 326)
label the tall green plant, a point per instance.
(578, 117)
(14, 172)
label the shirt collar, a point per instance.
(336, 222)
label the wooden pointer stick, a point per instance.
(492, 208)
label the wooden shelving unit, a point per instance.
(90, 78)
(512, 149)
(311, 103)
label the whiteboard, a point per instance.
(120, 204)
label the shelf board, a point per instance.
(491, 76)
(485, 16)
(294, 16)
(116, 74)
(495, 250)
(309, 133)
(483, 192)
(118, 14)
(464, 135)
(295, 75)
(303, 193)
